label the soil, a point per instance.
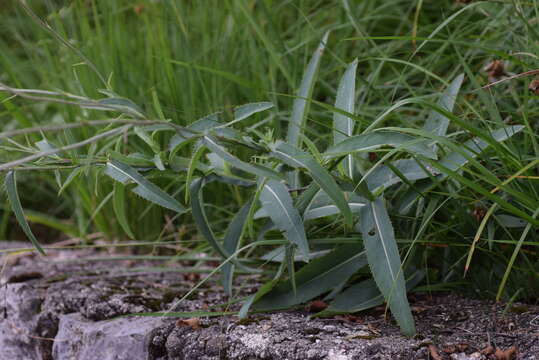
(63, 307)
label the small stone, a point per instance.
(360, 335)
(463, 356)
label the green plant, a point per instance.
(338, 204)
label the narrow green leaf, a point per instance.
(384, 261)
(201, 125)
(359, 297)
(72, 176)
(315, 278)
(301, 105)
(158, 161)
(306, 197)
(133, 159)
(472, 148)
(262, 290)
(412, 169)
(231, 241)
(254, 169)
(144, 136)
(437, 123)
(277, 202)
(118, 203)
(201, 220)
(514, 257)
(363, 296)
(452, 161)
(278, 254)
(244, 111)
(44, 145)
(343, 126)
(297, 158)
(157, 106)
(224, 74)
(64, 226)
(191, 170)
(13, 196)
(377, 139)
(323, 206)
(122, 105)
(125, 174)
(509, 221)
(199, 214)
(289, 256)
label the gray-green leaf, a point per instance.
(363, 296)
(384, 261)
(438, 123)
(125, 174)
(322, 206)
(377, 139)
(232, 239)
(277, 202)
(254, 169)
(316, 278)
(343, 126)
(300, 107)
(297, 158)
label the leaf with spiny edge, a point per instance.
(125, 174)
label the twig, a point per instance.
(82, 102)
(527, 73)
(11, 133)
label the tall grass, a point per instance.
(471, 221)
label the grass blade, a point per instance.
(13, 196)
(514, 257)
(118, 204)
(224, 74)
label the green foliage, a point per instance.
(13, 196)
(334, 191)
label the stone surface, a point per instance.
(119, 339)
(60, 308)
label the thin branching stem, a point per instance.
(13, 164)
(61, 127)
